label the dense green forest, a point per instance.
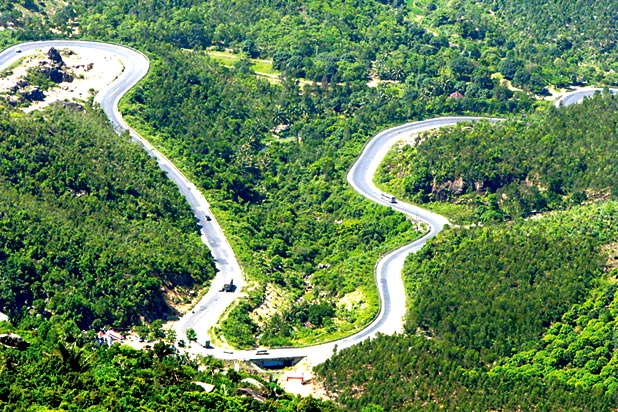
(272, 156)
(549, 160)
(283, 198)
(433, 47)
(36, 20)
(579, 350)
(553, 41)
(411, 373)
(428, 51)
(480, 295)
(285, 202)
(90, 229)
(63, 370)
(495, 288)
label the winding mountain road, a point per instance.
(578, 96)
(210, 308)
(207, 312)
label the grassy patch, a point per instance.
(457, 214)
(228, 59)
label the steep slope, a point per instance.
(479, 295)
(91, 229)
(514, 169)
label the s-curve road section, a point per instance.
(389, 268)
(207, 312)
(136, 65)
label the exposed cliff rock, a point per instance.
(34, 94)
(54, 56)
(11, 340)
(449, 189)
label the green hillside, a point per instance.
(481, 295)
(91, 230)
(62, 370)
(286, 204)
(514, 315)
(550, 160)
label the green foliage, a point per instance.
(579, 350)
(36, 77)
(240, 330)
(483, 294)
(35, 20)
(494, 289)
(64, 371)
(436, 50)
(90, 229)
(191, 335)
(285, 203)
(411, 373)
(516, 168)
(286, 207)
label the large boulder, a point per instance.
(57, 73)
(54, 56)
(53, 73)
(33, 95)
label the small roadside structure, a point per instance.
(109, 337)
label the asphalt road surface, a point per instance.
(579, 96)
(136, 65)
(207, 312)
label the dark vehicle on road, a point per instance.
(229, 287)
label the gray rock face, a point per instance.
(72, 106)
(450, 188)
(33, 95)
(56, 74)
(53, 73)
(11, 340)
(55, 69)
(54, 56)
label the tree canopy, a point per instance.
(91, 229)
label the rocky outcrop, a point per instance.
(74, 107)
(11, 340)
(454, 188)
(55, 69)
(21, 84)
(54, 56)
(449, 189)
(30, 89)
(33, 94)
(55, 73)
